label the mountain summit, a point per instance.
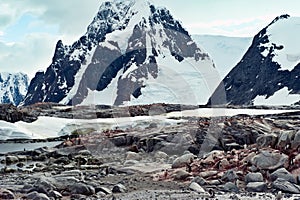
(268, 74)
(132, 53)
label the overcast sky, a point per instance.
(29, 29)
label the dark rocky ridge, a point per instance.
(256, 75)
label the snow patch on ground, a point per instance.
(47, 127)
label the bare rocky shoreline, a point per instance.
(239, 157)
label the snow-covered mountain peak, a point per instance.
(127, 55)
(13, 87)
(283, 42)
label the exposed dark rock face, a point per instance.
(256, 75)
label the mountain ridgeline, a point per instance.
(268, 73)
(132, 52)
(135, 53)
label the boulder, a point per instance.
(283, 174)
(181, 175)
(256, 187)
(43, 184)
(119, 140)
(214, 182)
(103, 190)
(230, 187)
(269, 160)
(254, 177)
(22, 158)
(224, 164)
(207, 174)
(61, 182)
(37, 196)
(84, 152)
(6, 194)
(296, 141)
(119, 188)
(8, 170)
(284, 139)
(230, 176)
(133, 156)
(54, 194)
(11, 159)
(67, 151)
(266, 140)
(161, 155)
(183, 160)
(286, 186)
(75, 173)
(81, 188)
(196, 187)
(201, 181)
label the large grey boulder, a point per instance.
(284, 139)
(54, 194)
(11, 159)
(230, 187)
(269, 160)
(183, 160)
(181, 175)
(296, 141)
(254, 177)
(37, 196)
(199, 180)
(196, 187)
(81, 188)
(283, 174)
(286, 186)
(119, 188)
(230, 176)
(256, 187)
(266, 140)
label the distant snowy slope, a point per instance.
(225, 51)
(13, 87)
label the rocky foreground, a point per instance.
(238, 157)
